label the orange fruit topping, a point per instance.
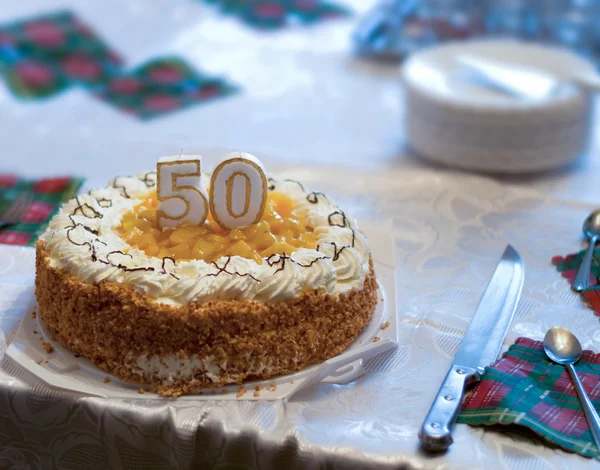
(282, 229)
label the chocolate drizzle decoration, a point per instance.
(313, 197)
(121, 187)
(91, 214)
(297, 182)
(91, 245)
(224, 270)
(284, 257)
(73, 227)
(337, 251)
(92, 248)
(147, 181)
(163, 269)
(343, 223)
(122, 266)
(334, 223)
(281, 260)
(309, 265)
(103, 202)
(75, 224)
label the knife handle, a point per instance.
(436, 432)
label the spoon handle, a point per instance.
(582, 280)
(588, 408)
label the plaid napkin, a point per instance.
(524, 388)
(568, 267)
(44, 55)
(161, 86)
(49, 194)
(273, 14)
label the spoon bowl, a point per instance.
(562, 346)
(591, 229)
(591, 226)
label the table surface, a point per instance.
(305, 103)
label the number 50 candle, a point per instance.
(238, 191)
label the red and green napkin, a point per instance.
(47, 54)
(273, 14)
(568, 267)
(525, 388)
(161, 86)
(43, 56)
(48, 195)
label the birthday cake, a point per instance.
(160, 283)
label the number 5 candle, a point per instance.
(180, 191)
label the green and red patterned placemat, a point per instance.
(525, 388)
(161, 86)
(48, 195)
(568, 267)
(274, 14)
(42, 56)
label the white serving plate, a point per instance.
(459, 123)
(63, 370)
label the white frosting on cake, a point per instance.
(81, 238)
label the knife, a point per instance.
(478, 349)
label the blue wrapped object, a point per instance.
(396, 28)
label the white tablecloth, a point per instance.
(308, 108)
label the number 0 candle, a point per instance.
(238, 191)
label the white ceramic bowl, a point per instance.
(459, 123)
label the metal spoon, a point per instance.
(562, 347)
(591, 229)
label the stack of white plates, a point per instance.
(458, 122)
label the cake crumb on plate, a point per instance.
(241, 392)
(224, 392)
(35, 332)
(377, 338)
(257, 393)
(48, 347)
(106, 380)
(141, 391)
(385, 325)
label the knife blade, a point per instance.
(479, 347)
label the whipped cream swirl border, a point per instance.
(82, 240)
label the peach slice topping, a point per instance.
(282, 229)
